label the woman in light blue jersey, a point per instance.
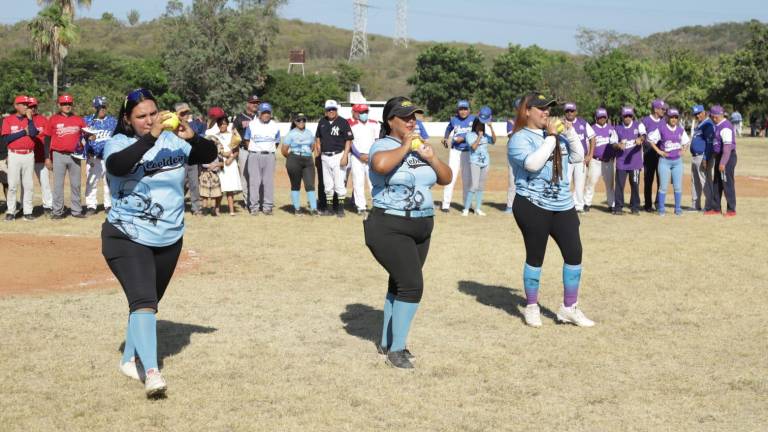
(299, 162)
(540, 153)
(142, 236)
(399, 227)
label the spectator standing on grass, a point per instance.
(399, 228)
(333, 141)
(142, 236)
(192, 173)
(702, 165)
(17, 133)
(458, 158)
(64, 138)
(577, 171)
(229, 175)
(299, 162)
(736, 120)
(262, 137)
(669, 141)
(210, 184)
(629, 161)
(365, 132)
(4, 164)
(651, 123)
(602, 164)
(479, 138)
(42, 171)
(240, 124)
(100, 128)
(724, 150)
(544, 205)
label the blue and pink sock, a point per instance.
(531, 277)
(571, 280)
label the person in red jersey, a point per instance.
(64, 142)
(42, 171)
(18, 131)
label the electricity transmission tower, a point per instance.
(401, 24)
(359, 49)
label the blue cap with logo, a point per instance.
(265, 107)
(99, 101)
(463, 104)
(485, 115)
(697, 109)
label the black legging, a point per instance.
(538, 224)
(143, 271)
(651, 171)
(400, 245)
(300, 167)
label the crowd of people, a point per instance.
(336, 156)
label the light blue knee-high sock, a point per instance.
(571, 280)
(295, 199)
(478, 200)
(130, 349)
(678, 202)
(661, 202)
(386, 330)
(531, 277)
(402, 315)
(312, 198)
(143, 328)
(468, 200)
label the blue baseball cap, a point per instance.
(463, 104)
(265, 107)
(697, 109)
(485, 114)
(99, 101)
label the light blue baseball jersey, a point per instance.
(408, 186)
(103, 128)
(538, 186)
(148, 203)
(300, 141)
(480, 155)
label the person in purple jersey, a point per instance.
(724, 149)
(650, 158)
(577, 172)
(629, 161)
(668, 142)
(602, 164)
(458, 159)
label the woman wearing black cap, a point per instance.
(399, 226)
(297, 150)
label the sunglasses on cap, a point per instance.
(137, 96)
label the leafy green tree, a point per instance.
(613, 76)
(513, 74)
(292, 93)
(67, 6)
(348, 75)
(689, 75)
(741, 79)
(566, 81)
(216, 53)
(51, 32)
(133, 17)
(445, 74)
(108, 17)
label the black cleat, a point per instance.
(78, 215)
(399, 359)
(29, 217)
(383, 351)
(9, 217)
(57, 216)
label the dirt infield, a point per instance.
(46, 264)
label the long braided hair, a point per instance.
(521, 121)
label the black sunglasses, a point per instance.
(300, 121)
(183, 113)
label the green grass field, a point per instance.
(274, 330)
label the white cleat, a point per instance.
(532, 315)
(132, 369)
(155, 385)
(480, 212)
(573, 315)
(465, 212)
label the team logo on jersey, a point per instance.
(165, 160)
(135, 202)
(413, 161)
(335, 131)
(400, 191)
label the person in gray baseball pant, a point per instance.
(64, 163)
(192, 185)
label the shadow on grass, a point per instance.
(173, 337)
(363, 321)
(510, 300)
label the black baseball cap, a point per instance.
(300, 116)
(538, 100)
(403, 107)
(254, 99)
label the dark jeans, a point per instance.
(634, 189)
(300, 168)
(400, 245)
(537, 224)
(728, 186)
(143, 271)
(650, 166)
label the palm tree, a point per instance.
(52, 31)
(67, 6)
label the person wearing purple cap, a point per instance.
(577, 171)
(629, 161)
(724, 149)
(701, 160)
(652, 122)
(602, 164)
(668, 142)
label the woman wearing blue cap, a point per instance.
(541, 152)
(398, 229)
(262, 138)
(479, 159)
(142, 236)
(668, 141)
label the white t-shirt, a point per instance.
(365, 134)
(262, 136)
